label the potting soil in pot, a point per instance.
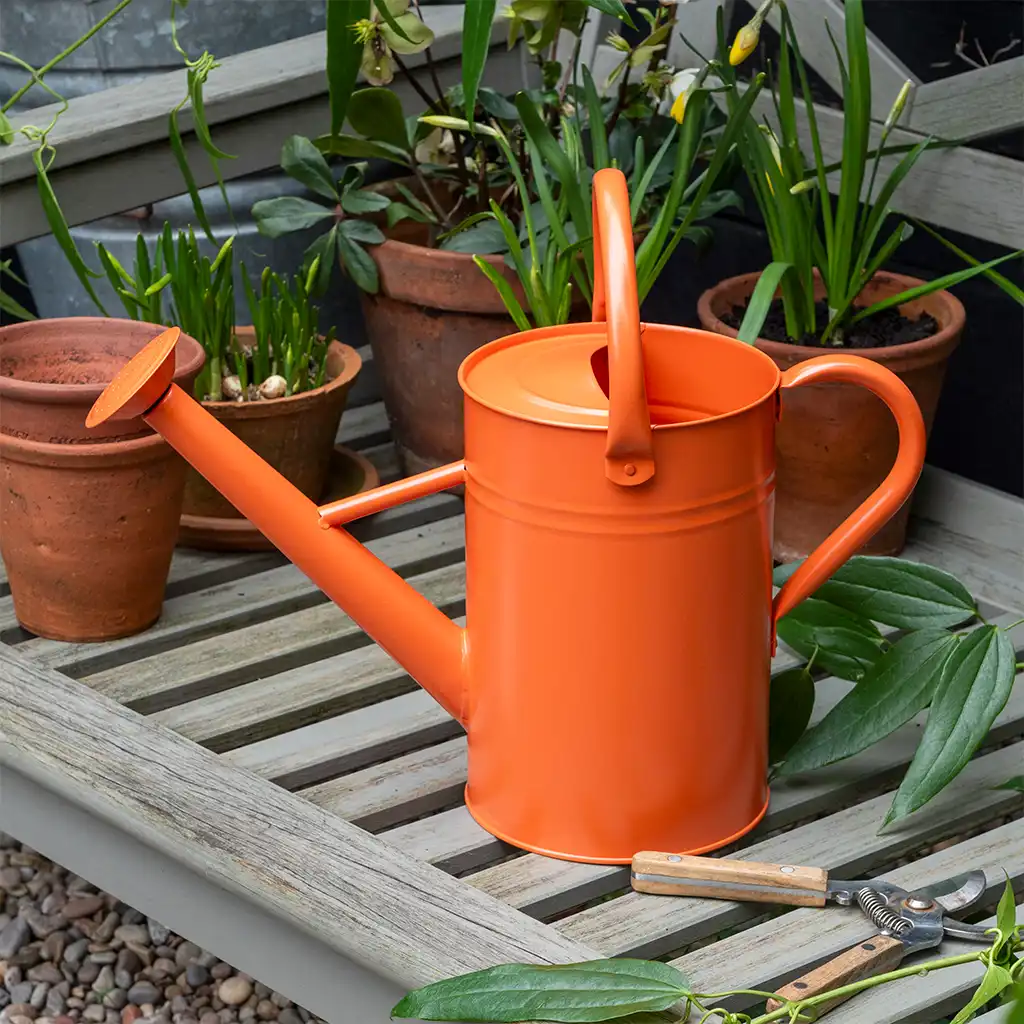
(880, 330)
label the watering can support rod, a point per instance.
(406, 625)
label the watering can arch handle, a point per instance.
(629, 456)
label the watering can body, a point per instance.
(613, 675)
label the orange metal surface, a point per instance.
(613, 676)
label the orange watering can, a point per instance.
(619, 480)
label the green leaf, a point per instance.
(974, 688)
(6, 131)
(402, 211)
(405, 33)
(13, 307)
(181, 159)
(497, 105)
(841, 642)
(894, 591)
(899, 686)
(361, 231)
(947, 281)
(1015, 293)
(385, 12)
(1006, 918)
(1016, 784)
(377, 113)
(477, 19)
(62, 233)
(761, 300)
(361, 200)
(305, 163)
(276, 217)
(344, 55)
(595, 122)
(791, 701)
(484, 238)
(512, 304)
(322, 250)
(594, 991)
(613, 7)
(995, 980)
(359, 264)
(350, 146)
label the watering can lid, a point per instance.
(545, 376)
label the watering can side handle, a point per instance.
(629, 458)
(888, 497)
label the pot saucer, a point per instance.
(349, 473)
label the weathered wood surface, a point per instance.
(112, 148)
(292, 696)
(975, 103)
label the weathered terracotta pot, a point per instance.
(51, 371)
(295, 435)
(87, 532)
(836, 442)
(434, 307)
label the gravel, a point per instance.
(70, 953)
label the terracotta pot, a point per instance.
(51, 371)
(434, 307)
(295, 435)
(836, 442)
(87, 532)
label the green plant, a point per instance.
(287, 344)
(961, 674)
(845, 241)
(612, 989)
(344, 202)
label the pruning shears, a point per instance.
(907, 922)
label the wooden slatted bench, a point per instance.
(257, 774)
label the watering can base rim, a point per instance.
(625, 858)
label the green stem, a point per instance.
(1013, 625)
(51, 64)
(846, 991)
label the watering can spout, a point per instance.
(422, 639)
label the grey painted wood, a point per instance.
(973, 104)
(773, 953)
(237, 929)
(846, 843)
(112, 148)
(361, 897)
(217, 663)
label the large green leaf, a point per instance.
(760, 301)
(350, 146)
(359, 264)
(504, 289)
(1006, 917)
(901, 685)
(1015, 293)
(344, 55)
(840, 641)
(361, 231)
(485, 237)
(276, 217)
(995, 980)
(1016, 784)
(306, 164)
(377, 113)
(594, 991)
(616, 8)
(362, 200)
(894, 591)
(477, 20)
(1017, 1013)
(975, 685)
(790, 705)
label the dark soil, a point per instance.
(890, 327)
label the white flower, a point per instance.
(674, 99)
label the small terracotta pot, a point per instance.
(295, 435)
(433, 309)
(51, 372)
(87, 532)
(836, 442)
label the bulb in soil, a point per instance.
(231, 388)
(274, 386)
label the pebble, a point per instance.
(143, 992)
(196, 975)
(20, 1010)
(288, 1016)
(40, 923)
(47, 972)
(221, 971)
(22, 1018)
(186, 953)
(280, 1000)
(28, 956)
(75, 953)
(13, 937)
(104, 956)
(209, 1017)
(131, 916)
(266, 1010)
(53, 946)
(130, 1014)
(105, 932)
(10, 879)
(39, 994)
(53, 903)
(234, 991)
(246, 1013)
(13, 975)
(227, 1015)
(22, 992)
(158, 933)
(88, 972)
(171, 991)
(164, 968)
(82, 906)
(136, 933)
(56, 1002)
(115, 999)
(206, 959)
(95, 1013)
(104, 981)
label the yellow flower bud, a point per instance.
(745, 42)
(897, 107)
(679, 107)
